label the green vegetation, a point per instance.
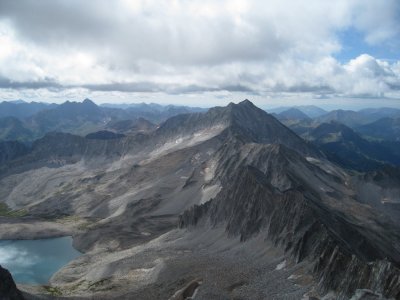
(104, 284)
(77, 286)
(101, 285)
(5, 211)
(52, 290)
(79, 222)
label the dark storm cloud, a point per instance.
(394, 86)
(168, 88)
(132, 87)
(138, 87)
(190, 89)
(55, 21)
(305, 88)
(6, 83)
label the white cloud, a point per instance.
(176, 46)
(378, 19)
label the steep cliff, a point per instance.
(308, 212)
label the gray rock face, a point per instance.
(272, 190)
(234, 169)
(8, 289)
(240, 123)
(245, 122)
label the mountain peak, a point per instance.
(246, 102)
(293, 113)
(244, 107)
(18, 101)
(244, 121)
(87, 101)
(256, 125)
(85, 104)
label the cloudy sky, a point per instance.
(201, 52)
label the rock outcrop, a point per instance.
(8, 289)
(309, 211)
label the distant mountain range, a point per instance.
(293, 114)
(21, 109)
(340, 115)
(13, 129)
(311, 111)
(131, 126)
(371, 123)
(358, 118)
(384, 129)
(28, 121)
(347, 148)
(362, 140)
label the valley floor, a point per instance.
(225, 267)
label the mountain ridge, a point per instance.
(232, 179)
(350, 150)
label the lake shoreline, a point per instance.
(36, 261)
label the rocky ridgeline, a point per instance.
(244, 122)
(8, 289)
(272, 190)
(296, 223)
(270, 182)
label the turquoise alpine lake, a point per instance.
(35, 261)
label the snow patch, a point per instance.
(365, 293)
(119, 204)
(209, 171)
(209, 192)
(281, 265)
(186, 141)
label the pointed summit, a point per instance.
(244, 121)
(246, 102)
(87, 101)
(243, 109)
